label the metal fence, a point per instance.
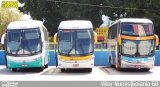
(101, 46)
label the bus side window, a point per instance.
(114, 32)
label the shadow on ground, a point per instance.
(5, 71)
(127, 71)
(57, 71)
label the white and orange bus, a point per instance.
(132, 43)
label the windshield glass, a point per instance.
(75, 42)
(137, 29)
(23, 42)
(13, 41)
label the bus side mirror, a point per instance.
(95, 37)
(157, 40)
(119, 40)
(55, 38)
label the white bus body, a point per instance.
(75, 45)
(26, 44)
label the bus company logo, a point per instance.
(9, 84)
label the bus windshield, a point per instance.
(75, 42)
(23, 42)
(137, 29)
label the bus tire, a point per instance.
(111, 65)
(63, 70)
(89, 69)
(14, 69)
(119, 69)
(41, 68)
(118, 64)
(146, 69)
(46, 66)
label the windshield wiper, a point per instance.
(81, 48)
(18, 49)
(74, 45)
(70, 49)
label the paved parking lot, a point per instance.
(98, 74)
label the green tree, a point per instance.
(55, 11)
(7, 16)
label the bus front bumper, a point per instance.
(128, 62)
(25, 64)
(77, 64)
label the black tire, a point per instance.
(41, 68)
(14, 69)
(119, 69)
(146, 69)
(89, 69)
(118, 65)
(46, 66)
(111, 65)
(63, 70)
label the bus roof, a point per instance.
(134, 20)
(75, 24)
(24, 24)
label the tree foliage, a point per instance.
(7, 16)
(54, 12)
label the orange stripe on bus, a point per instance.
(137, 38)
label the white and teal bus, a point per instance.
(132, 43)
(75, 39)
(26, 44)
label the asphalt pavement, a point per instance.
(98, 74)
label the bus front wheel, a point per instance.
(41, 68)
(110, 59)
(63, 70)
(14, 69)
(146, 69)
(89, 69)
(118, 65)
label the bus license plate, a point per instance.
(75, 65)
(138, 66)
(24, 65)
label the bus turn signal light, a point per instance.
(157, 40)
